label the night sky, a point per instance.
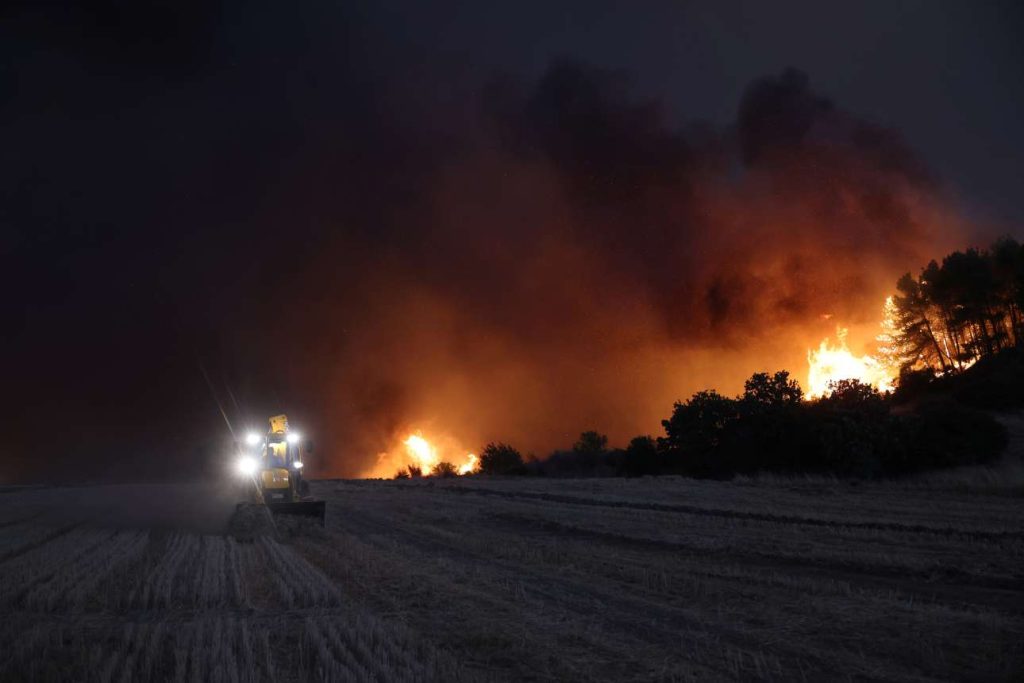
(336, 210)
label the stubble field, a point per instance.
(513, 579)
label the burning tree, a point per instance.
(942, 321)
(969, 307)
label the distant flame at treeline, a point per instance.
(576, 262)
(828, 363)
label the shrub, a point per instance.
(589, 451)
(995, 382)
(763, 391)
(851, 432)
(413, 472)
(578, 464)
(444, 470)
(853, 396)
(913, 384)
(944, 433)
(501, 458)
(641, 457)
(591, 442)
(694, 432)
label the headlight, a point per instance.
(252, 438)
(297, 465)
(247, 466)
(293, 438)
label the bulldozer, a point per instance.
(271, 469)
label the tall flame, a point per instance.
(831, 363)
(421, 452)
(471, 465)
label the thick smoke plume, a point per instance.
(576, 261)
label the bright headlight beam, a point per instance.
(293, 438)
(252, 438)
(247, 466)
(297, 464)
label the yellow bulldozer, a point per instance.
(271, 469)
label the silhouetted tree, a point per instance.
(641, 457)
(767, 434)
(764, 391)
(501, 458)
(444, 470)
(591, 443)
(695, 430)
(589, 451)
(912, 383)
(1008, 276)
(852, 394)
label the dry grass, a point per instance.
(654, 579)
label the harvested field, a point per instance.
(513, 579)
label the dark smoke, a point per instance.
(577, 261)
(345, 224)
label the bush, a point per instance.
(944, 433)
(995, 382)
(694, 432)
(766, 392)
(589, 452)
(641, 458)
(410, 472)
(851, 432)
(444, 470)
(591, 442)
(501, 458)
(913, 384)
(579, 464)
(853, 396)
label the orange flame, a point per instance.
(831, 363)
(422, 453)
(416, 450)
(471, 465)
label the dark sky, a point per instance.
(946, 74)
(231, 187)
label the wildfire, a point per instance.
(831, 363)
(421, 453)
(470, 465)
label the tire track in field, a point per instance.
(393, 525)
(497, 648)
(740, 514)
(48, 535)
(1000, 595)
(628, 616)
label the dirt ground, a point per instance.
(518, 579)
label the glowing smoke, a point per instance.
(576, 262)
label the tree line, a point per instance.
(955, 333)
(952, 315)
(850, 432)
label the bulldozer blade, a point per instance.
(304, 508)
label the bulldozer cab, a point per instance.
(279, 424)
(279, 453)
